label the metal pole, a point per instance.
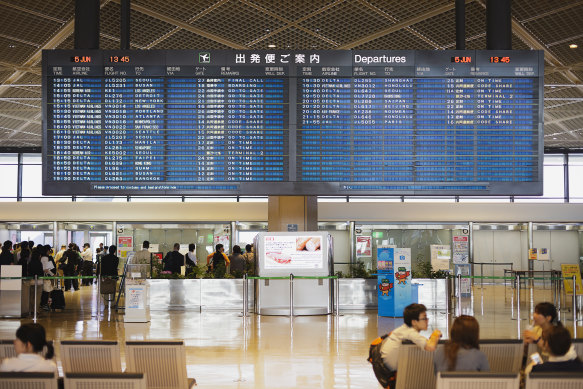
(245, 297)
(459, 294)
(447, 294)
(482, 275)
(337, 295)
(517, 296)
(99, 290)
(35, 286)
(291, 295)
(574, 301)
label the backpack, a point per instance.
(386, 377)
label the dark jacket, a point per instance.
(6, 258)
(72, 260)
(572, 365)
(108, 265)
(172, 261)
(35, 268)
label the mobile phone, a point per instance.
(536, 358)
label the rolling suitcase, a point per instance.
(57, 297)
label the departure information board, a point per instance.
(292, 123)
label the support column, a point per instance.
(530, 246)
(289, 213)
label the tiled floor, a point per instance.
(225, 350)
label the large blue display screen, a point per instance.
(281, 123)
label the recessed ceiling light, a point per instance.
(573, 46)
(271, 46)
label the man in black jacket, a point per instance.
(71, 260)
(173, 260)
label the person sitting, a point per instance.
(556, 340)
(33, 352)
(544, 317)
(462, 351)
(384, 358)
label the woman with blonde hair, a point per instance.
(462, 351)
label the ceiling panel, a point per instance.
(557, 26)
(398, 40)
(25, 27)
(293, 10)
(181, 10)
(58, 9)
(528, 9)
(14, 52)
(238, 22)
(144, 29)
(347, 22)
(446, 35)
(183, 39)
(293, 39)
(405, 10)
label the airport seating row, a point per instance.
(163, 363)
(505, 356)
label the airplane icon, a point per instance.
(204, 57)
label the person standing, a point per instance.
(143, 256)
(237, 261)
(108, 267)
(71, 260)
(249, 259)
(218, 261)
(7, 257)
(87, 267)
(173, 260)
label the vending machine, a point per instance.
(393, 280)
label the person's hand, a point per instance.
(529, 336)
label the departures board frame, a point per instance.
(275, 122)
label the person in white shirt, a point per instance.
(191, 256)
(143, 256)
(87, 266)
(415, 318)
(33, 352)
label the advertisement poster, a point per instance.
(125, 244)
(533, 254)
(568, 272)
(543, 254)
(461, 250)
(293, 252)
(440, 256)
(364, 246)
(135, 297)
(222, 239)
(384, 259)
